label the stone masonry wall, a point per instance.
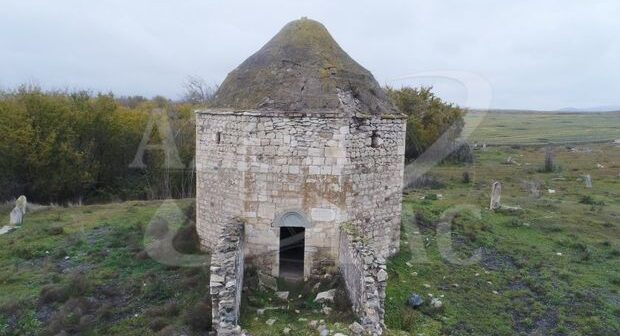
(365, 278)
(330, 168)
(264, 166)
(375, 153)
(227, 263)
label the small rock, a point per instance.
(313, 323)
(436, 303)
(415, 301)
(267, 281)
(325, 297)
(382, 275)
(356, 328)
(327, 310)
(282, 295)
(270, 322)
(427, 286)
(286, 331)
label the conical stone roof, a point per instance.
(302, 69)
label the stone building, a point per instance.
(299, 141)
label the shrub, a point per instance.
(466, 178)
(186, 240)
(198, 317)
(589, 200)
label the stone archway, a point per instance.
(292, 225)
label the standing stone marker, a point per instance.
(496, 193)
(588, 180)
(22, 203)
(16, 216)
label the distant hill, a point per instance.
(607, 108)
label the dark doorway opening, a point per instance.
(292, 242)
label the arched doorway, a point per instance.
(292, 226)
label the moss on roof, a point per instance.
(302, 68)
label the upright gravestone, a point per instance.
(22, 203)
(16, 216)
(496, 193)
(588, 181)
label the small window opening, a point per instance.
(218, 137)
(375, 140)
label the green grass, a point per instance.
(551, 269)
(83, 270)
(537, 128)
(521, 285)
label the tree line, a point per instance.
(61, 146)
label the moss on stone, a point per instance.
(301, 68)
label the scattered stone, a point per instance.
(511, 161)
(496, 193)
(551, 191)
(559, 254)
(588, 181)
(286, 331)
(436, 303)
(266, 281)
(339, 334)
(325, 297)
(600, 166)
(7, 228)
(356, 329)
(313, 323)
(270, 322)
(282, 295)
(427, 286)
(327, 310)
(415, 301)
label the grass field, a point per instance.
(552, 268)
(536, 128)
(83, 270)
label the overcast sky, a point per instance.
(535, 54)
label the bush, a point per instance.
(466, 178)
(186, 240)
(589, 200)
(428, 118)
(198, 317)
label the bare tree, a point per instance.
(197, 91)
